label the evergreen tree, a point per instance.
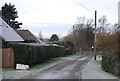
(69, 43)
(54, 37)
(9, 14)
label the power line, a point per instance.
(83, 6)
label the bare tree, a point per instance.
(103, 24)
(83, 34)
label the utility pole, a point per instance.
(95, 35)
(74, 35)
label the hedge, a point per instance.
(111, 63)
(29, 54)
(29, 41)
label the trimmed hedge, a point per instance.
(111, 63)
(28, 54)
(29, 41)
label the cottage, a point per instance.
(7, 34)
(27, 35)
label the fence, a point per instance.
(7, 57)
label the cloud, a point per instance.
(38, 25)
(58, 16)
(48, 29)
(49, 34)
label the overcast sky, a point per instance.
(58, 16)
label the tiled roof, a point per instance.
(26, 34)
(7, 33)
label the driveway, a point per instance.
(69, 69)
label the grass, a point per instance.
(98, 61)
(50, 62)
(37, 66)
(93, 70)
(11, 73)
(45, 64)
(75, 55)
(8, 69)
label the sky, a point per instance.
(58, 16)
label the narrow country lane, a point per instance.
(69, 69)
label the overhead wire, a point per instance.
(86, 8)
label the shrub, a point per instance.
(61, 51)
(111, 63)
(28, 54)
(29, 41)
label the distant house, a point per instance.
(7, 34)
(26, 34)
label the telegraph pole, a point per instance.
(74, 35)
(95, 35)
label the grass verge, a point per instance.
(75, 55)
(45, 64)
(93, 70)
(37, 66)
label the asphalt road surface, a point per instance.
(70, 68)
